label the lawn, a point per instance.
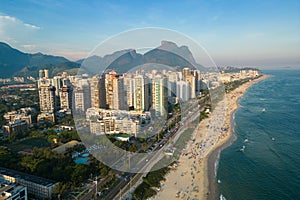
(29, 143)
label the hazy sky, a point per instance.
(234, 32)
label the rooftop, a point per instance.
(62, 148)
(28, 177)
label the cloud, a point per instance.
(32, 26)
(29, 47)
(9, 20)
(17, 33)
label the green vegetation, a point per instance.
(24, 99)
(143, 191)
(29, 143)
(153, 178)
(182, 141)
(60, 167)
(151, 181)
(235, 84)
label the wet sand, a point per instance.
(194, 178)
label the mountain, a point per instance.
(168, 53)
(15, 62)
(119, 61)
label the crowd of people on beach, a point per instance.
(189, 181)
(215, 130)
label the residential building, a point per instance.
(159, 95)
(82, 95)
(182, 90)
(104, 121)
(17, 121)
(45, 118)
(57, 83)
(172, 78)
(141, 93)
(190, 79)
(115, 91)
(98, 92)
(12, 191)
(47, 96)
(40, 187)
(197, 75)
(129, 89)
(65, 95)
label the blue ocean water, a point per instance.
(268, 125)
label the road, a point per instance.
(90, 194)
(153, 158)
(147, 162)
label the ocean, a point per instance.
(267, 124)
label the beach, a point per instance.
(194, 177)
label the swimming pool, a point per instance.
(85, 155)
(81, 160)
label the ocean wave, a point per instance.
(217, 164)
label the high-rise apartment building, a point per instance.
(141, 93)
(82, 95)
(47, 96)
(115, 91)
(183, 90)
(190, 78)
(98, 92)
(57, 83)
(185, 72)
(197, 75)
(172, 78)
(128, 86)
(159, 95)
(65, 94)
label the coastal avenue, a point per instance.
(170, 140)
(146, 163)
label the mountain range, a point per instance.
(16, 63)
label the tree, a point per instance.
(60, 190)
(80, 174)
(104, 171)
(132, 148)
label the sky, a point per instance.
(263, 33)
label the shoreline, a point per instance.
(214, 156)
(194, 178)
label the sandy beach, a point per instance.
(194, 178)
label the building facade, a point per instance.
(159, 95)
(47, 96)
(41, 188)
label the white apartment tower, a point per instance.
(128, 86)
(172, 80)
(183, 91)
(159, 95)
(65, 94)
(141, 93)
(82, 95)
(47, 96)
